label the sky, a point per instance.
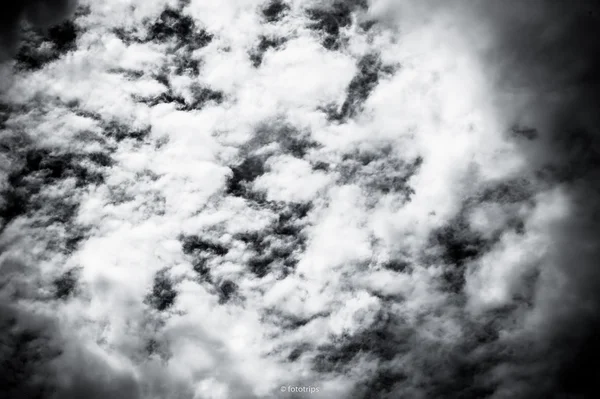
(248, 198)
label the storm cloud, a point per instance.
(38, 13)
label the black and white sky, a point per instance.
(228, 199)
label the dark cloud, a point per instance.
(265, 44)
(274, 10)
(370, 70)
(27, 345)
(277, 246)
(360, 87)
(547, 57)
(331, 18)
(38, 48)
(163, 293)
(201, 251)
(39, 168)
(201, 96)
(39, 13)
(38, 358)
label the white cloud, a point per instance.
(367, 257)
(291, 180)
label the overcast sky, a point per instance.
(372, 198)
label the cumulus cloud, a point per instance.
(378, 199)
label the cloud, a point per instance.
(388, 204)
(544, 60)
(39, 13)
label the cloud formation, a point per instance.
(38, 13)
(380, 199)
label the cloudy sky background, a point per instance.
(380, 199)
